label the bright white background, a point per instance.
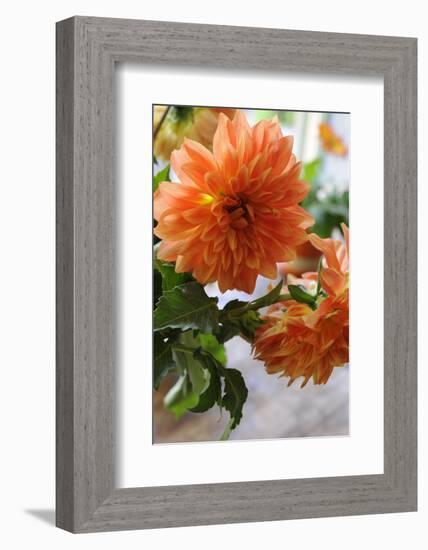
(362, 451)
(27, 274)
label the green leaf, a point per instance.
(235, 394)
(228, 330)
(234, 304)
(206, 353)
(162, 175)
(194, 380)
(208, 342)
(157, 287)
(300, 295)
(170, 278)
(211, 345)
(163, 362)
(187, 306)
(189, 339)
(186, 362)
(212, 394)
(181, 396)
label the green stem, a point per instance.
(252, 306)
(284, 298)
(227, 431)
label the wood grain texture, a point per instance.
(87, 49)
(64, 276)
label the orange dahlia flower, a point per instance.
(198, 123)
(235, 213)
(296, 341)
(335, 269)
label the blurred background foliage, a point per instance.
(329, 209)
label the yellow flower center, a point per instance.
(206, 199)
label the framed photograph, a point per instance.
(236, 274)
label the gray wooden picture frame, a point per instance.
(87, 50)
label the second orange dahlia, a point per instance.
(296, 341)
